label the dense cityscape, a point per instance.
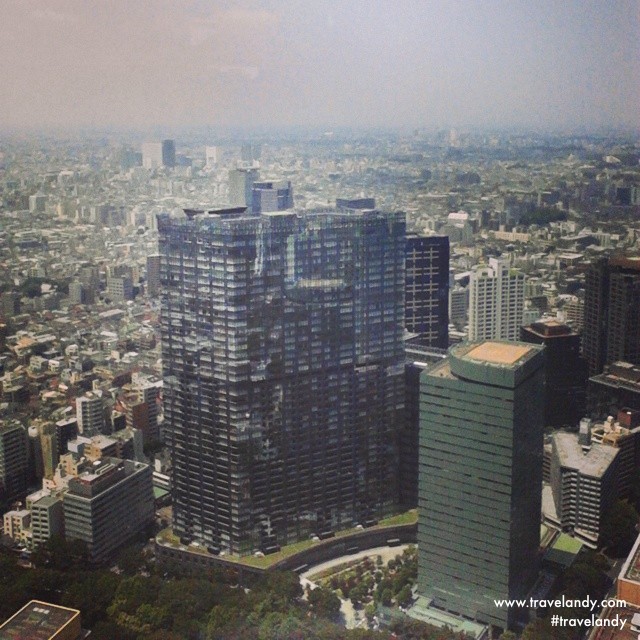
(320, 321)
(211, 359)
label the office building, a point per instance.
(271, 196)
(250, 152)
(159, 154)
(76, 293)
(283, 372)
(14, 461)
(617, 387)
(496, 301)
(39, 620)
(583, 482)
(211, 156)
(565, 371)
(612, 313)
(427, 288)
(418, 356)
(480, 478)
(10, 304)
(38, 203)
(152, 155)
(458, 306)
(142, 407)
(120, 288)
(153, 275)
(169, 153)
(66, 430)
(108, 504)
(241, 186)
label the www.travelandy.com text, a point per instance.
(588, 603)
(585, 603)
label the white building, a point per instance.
(152, 155)
(90, 414)
(496, 301)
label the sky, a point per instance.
(136, 64)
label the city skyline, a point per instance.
(269, 64)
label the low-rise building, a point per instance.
(47, 519)
(15, 523)
(43, 621)
(108, 504)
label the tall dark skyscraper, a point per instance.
(283, 370)
(480, 480)
(427, 288)
(565, 371)
(612, 313)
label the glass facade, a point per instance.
(427, 288)
(283, 370)
(480, 478)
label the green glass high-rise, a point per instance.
(480, 483)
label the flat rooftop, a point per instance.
(593, 462)
(498, 352)
(39, 621)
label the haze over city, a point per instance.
(542, 64)
(320, 320)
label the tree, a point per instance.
(404, 597)
(358, 593)
(92, 594)
(61, 554)
(324, 603)
(370, 611)
(619, 528)
(386, 596)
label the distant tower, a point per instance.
(159, 154)
(496, 302)
(153, 275)
(250, 152)
(271, 196)
(169, 153)
(480, 478)
(152, 155)
(427, 288)
(211, 156)
(241, 186)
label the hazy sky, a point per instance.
(141, 63)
